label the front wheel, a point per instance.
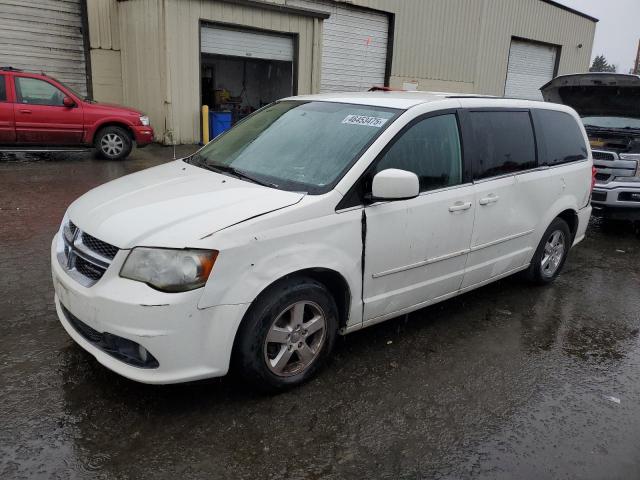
(113, 143)
(551, 253)
(287, 335)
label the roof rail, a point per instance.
(10, 69)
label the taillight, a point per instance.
(593, 177)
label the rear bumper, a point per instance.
(143, 135)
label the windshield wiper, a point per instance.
(239, 174)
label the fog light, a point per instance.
(142, 352)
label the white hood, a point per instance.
(172, 205)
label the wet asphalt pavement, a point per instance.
(509, 381)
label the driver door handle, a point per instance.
(22, 110)
(459, 206)
(488, 200)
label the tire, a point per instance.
(113, 143)
(551, 253)
(286, 313)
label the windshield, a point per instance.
(85, 98)
(296, 145)
(612, 122)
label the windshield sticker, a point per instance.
(376, 122)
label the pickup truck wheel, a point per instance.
(287, 335)
(114, 143)
(551, 253)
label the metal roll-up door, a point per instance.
(354, 46)
(44, 36)
(240, 43)
(531, 65)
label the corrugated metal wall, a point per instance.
(446, 45)
(104, 43)
(463, 45)
(183, 53)
(44, 35)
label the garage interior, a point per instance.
(242, 71)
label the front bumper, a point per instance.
(143, 135)
(616, 200)
(188, 343)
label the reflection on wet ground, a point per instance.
(509, 381)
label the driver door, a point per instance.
(40, 116)
(416, 249)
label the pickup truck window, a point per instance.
(32, 91)
(3, 89)
(431, 150)
(297, 145)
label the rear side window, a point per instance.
(430, 149)
(3, 89)
(562, 137)
(503, 143)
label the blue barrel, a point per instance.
(219, 122)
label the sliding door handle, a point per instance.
(488, 200)
(459, 206)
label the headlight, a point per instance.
(169, 270)
(632, 156)
(144, 120)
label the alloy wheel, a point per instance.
(112, 144)
(295, 339)
(553, 253)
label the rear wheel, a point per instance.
(287, 335)
(114, 143)
(551, 253)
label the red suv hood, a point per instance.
(114, 107)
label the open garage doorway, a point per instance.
(242, 71)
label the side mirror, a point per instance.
(68, 102)
(394, 184)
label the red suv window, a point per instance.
(3, 89)
(37, 92)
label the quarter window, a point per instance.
(37, 92)
(504, 143)
(3, 89)
(431, 150)
(562, 136)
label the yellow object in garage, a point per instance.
(205, 124)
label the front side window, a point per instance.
(297, 145)
(33, 91)
(503, 143)
(563, 138)
(3, 89)
(431, 150)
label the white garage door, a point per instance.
(531, 65)
(241, 43)
(354, 46)
(44, 35)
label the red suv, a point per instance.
(39, 111)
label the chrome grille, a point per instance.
(600, 155)
(98, 246)
(609, 166)
(84, 257)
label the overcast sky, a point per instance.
(617, 32)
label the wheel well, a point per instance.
(113, 124)
(333, 281)
(571, 217)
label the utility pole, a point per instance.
(636, 70)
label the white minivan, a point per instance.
(316, 216)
